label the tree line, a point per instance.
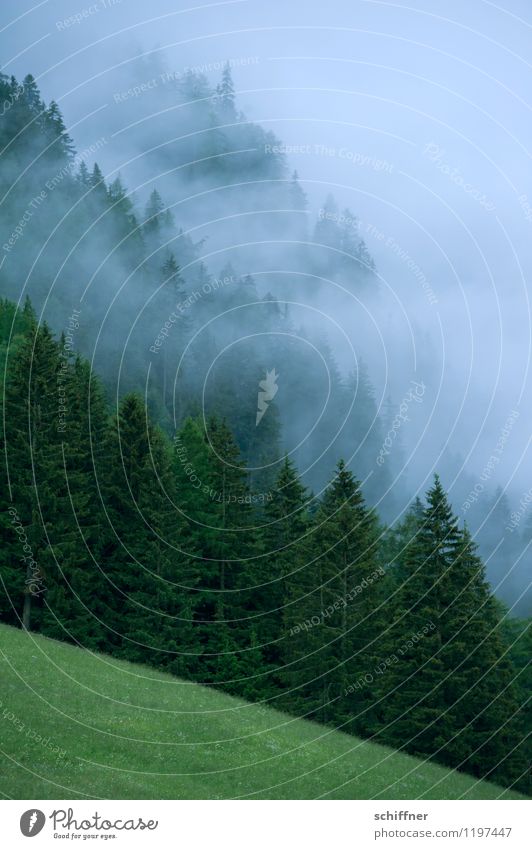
(166, 551)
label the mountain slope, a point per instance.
(76, 725)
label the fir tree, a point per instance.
(54, 126)
(327, 232)
(225, 95)
(450, 692)
(75, 605)
(127, 561)
(286, 526)
(153, 214)
(298, 198)
(33, 461)
(97, 184)
(333, 611)
(32, 96)
(83, 175)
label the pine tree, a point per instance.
(157, 230)
(54, 126)
(168, 301)
(16, 329)
(449, 692)
(213, 494)
(159, 592)
(124, 556)
(75, 600)
(172, 278)
(225, 95)
(83, 175)
(32, 96)
(286, 526)
(97, 183)
(153, 214)
(484, 704)
(121, 225)
(298, 198)
(327, 232)
(197, 538)
(33, 462)
(397, 541)
(122, 207)
(236, 553)
(349, 238)
(333, 613)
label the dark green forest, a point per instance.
(144, 512)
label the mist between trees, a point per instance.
(172, 527)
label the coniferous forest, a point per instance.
(193, 479)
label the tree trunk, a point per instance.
(26, 613)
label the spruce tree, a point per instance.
(17, 329)
(130, 600)
(212, 493)
(75, 599)
(449, 691)
(83, 175)
(33, 461)
(297, 201)
(32, 96)
(333, 614)
(234, 547)
(99, 189)
(327, 231)
(298, 198)
(153, 214)
(225, 99)
(62, 146)
(286, 524)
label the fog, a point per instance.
(416, 118)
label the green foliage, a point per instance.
(334, 612)
(208, 559)
(450, 694)
(163, 556)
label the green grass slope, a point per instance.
(75, 725)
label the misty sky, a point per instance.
(416, 116)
